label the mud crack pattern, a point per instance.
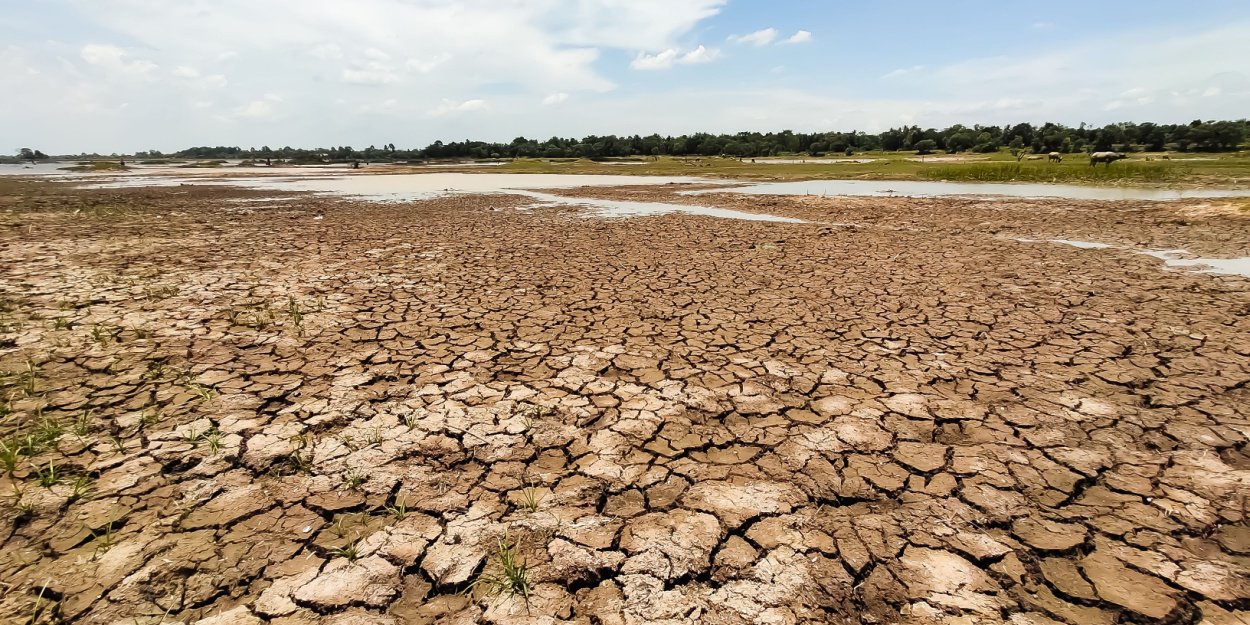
(314, 411)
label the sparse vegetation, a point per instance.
(353, 479)
(1154, 172)
(48, 476)
(398, 510)
(349, 552)
(81, 489)
(507, 573)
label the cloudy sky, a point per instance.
(125, 75)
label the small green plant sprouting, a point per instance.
(118, 443)
(141, 333)
(531, 498)
(159, 293)
(339, 526)
(348, 441)
(10, 451)
(348, 552)
(63, 322)
(201, 392)
(50, 476)
(374, 437)
(354, 479)
(104, 539)
(156, 370)
(82, 489)
(82, 423)
(297, 459)
(27, 380)
(191, 437)
(151, 415)
(511, 576)
(398, 510)
(103, 334)
(213, 438)
(294, 312)
(42, 612)
(49, 430)
(410, 420)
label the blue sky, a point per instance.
(124, 75)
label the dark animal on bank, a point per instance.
(1055, 157)
(1105, 157)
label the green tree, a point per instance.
(925, 146)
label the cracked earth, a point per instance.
(318, 411)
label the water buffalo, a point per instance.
(1105, 157)
(1054, 157)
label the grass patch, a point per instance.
(508, 574)
(1149, 172)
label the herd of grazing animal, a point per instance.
(1105, 157)
(1095, 158)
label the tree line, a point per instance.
(1196, 136)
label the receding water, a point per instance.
(1171, 258)
(38, 169)
(1085, 245)
(812, 161)
(620, 208)
(921, 188)
(1182, 258)
(410, 187)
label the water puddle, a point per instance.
(1173, 259)
(923, 188)
(620, 208)
(1085, 245)
(814, 161)
(412, 187)
(1182, 258)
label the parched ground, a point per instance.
(226, 412)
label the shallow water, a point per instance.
(620, 208)
(920, 188)
(38, 169)
(1182, 258)
(1171, 258)
(410, 187)
(1085, 245)
(813, 161)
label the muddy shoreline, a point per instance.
(323, 411)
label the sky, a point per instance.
(125, 75)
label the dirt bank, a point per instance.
(322, 411)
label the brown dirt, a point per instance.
(903, 418)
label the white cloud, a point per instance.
(699, 55)
(667, 58)
(114, 60)
(902, 71)
(256, 109)
(660, 60)
(450, 106)
(556, 98)
(801, 36)
(761, 37)
(193, 78)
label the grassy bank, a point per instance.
(1145, 173)
(1191, 170)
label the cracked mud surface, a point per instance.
(226, 412)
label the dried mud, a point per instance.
(332, 412)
